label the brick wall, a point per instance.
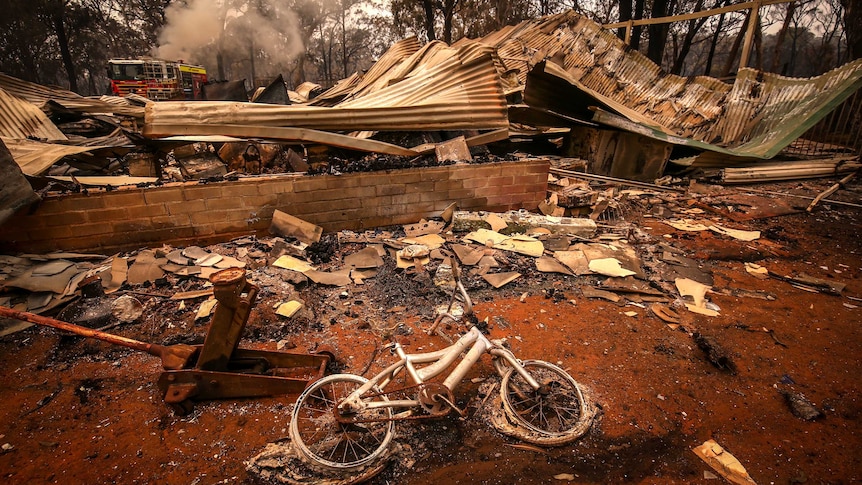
(187, 213)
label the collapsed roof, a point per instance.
(552, 73)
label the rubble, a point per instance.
(619, 228)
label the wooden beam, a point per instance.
(281, 134)
(696, 15)
(753, 25)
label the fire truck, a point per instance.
(156, 79)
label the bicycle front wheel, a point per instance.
(556, 410)
(324, 440)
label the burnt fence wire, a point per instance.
(839, 133)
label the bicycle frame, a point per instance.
(438, 362)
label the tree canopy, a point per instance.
(68, 42)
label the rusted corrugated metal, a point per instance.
(756, 116)
(40, 95)
(446, 92)
(377, 77)
(22, 119)
(35, 157)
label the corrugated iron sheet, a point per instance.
(756, 116)
(22, 119)
(40, 95)
(437, 88)
(380, 75)
(35, 157)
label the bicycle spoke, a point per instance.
(325, 440)
(552, 410)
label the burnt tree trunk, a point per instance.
(852, 21)
(58, 19)
(428, 6)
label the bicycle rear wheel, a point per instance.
(332, 444)
(556, 412)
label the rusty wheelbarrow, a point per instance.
(218, 369)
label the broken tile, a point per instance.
(609, 267)
(424, 227)
(431, 241)
(498, 280)
(176, 257)
(723, 462)
(414, 251)
(366, 258)
(575, 260)
(285, 224)
(145, 268)
(209, 260)
(735, 233)
(467, 255)
(334, 278)
(687, 225)
(55, 283)
(496, 222)
(591, 292)
(293, 264)
(547, 264)
(206, 309)
(697, 291)
(230, 262)
(194, 252)
(289, 309)
(52, 268)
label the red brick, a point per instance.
(419, 187)
(106, 215)
(343, 181)
(407, 199)
(435, 174)
(296, 198)
(163, 194)
(540, 167)
(306, 184)
(336, 216)
(203, 230)
(125, 198)
(58, 232)
(474, 183)
(239, 189)
(181, 220)
(130, 226)
(258, 201)
(92, 229)
(375, 179)
(371, 202)
(83, 202)
(230, 227)
(391, 209)
(64, 219)
(51, 205)
(222, 203)
(201, 192)
(473, 203)
(390, 189)
(278, 186)
(210, 217)
(187, 207)
(139, 211)
(447, 185)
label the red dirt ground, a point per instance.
(658, 394)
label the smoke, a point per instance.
(196, 31)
